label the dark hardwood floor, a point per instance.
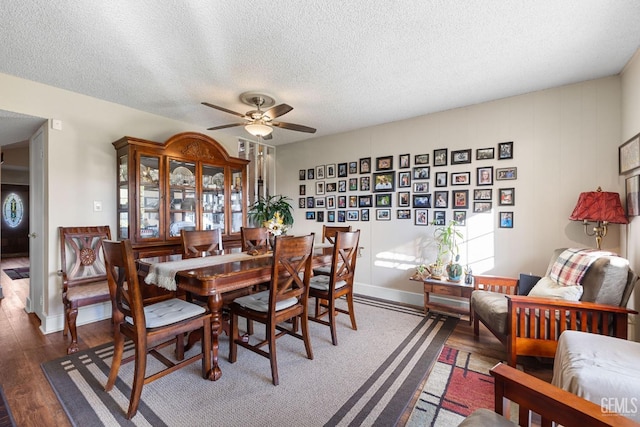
(24, 348)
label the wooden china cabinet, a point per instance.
(188, 182)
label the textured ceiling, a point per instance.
(341, 65)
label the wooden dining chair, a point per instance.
(200, 242)
(329, 232)
(149, 327)
(84, 277)
(339, 283)
(286, 299)
(329, 235)
(254, 238)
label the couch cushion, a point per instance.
(492, 308)
(526, 282)
(605, 281)
(547, 288)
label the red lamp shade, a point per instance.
(599, 206)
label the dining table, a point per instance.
(215, 275)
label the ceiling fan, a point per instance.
(258, 122)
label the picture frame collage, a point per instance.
(349, 191)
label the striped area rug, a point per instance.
(368, 379)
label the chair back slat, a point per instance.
(194, 242)
(345, 254)
(126, 296)
(292, 258)
(254, 238)
(329, 232)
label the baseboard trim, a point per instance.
(86, 315)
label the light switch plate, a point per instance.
(97, 206)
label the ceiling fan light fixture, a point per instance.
(258, 129)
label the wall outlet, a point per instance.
(56, 124)
(97, 206)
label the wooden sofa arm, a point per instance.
(524, 300)
(550, 402)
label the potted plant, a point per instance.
(448, 238)
(265, 208)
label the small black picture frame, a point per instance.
(421, 200)
(331, 216)
(441, 179)
(342, 170)
(439, 217)
(341, 216)
(507, 196)
(311, 173)
(421, 159)
(365, 165)
(364, 214)
(353, 168)
(383, 200)
(440, 157)
(421, 172)
(320, 216)
(403, 213)
(460, 178)
(459, 157)
(482, 207)
(483, 194)
(303, 190)
(384, 181)
(460, 199)
(505, 150)
(384, 163)
(484, 176)
(365, 201)
(421, 217)
(404, 199)
(302, 174)
(441, 199)
(404, 179)
(404, 161)
(460, 217)
(506, 220)
(365, 183)
(383, 214)
(485, 153)
(310, 215)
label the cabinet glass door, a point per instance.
(182, 197)
(213, 197)
(149, 202)
(123, 197)
(237, 204)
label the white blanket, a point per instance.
(163, 274)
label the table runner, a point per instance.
(163, 274)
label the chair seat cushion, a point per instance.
(325, 269)
(492, 308)
(260, 302)
(167, 312)
(322, 283)
(90, 290)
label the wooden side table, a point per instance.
(455, 290)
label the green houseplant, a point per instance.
(265, 208)
(447, 238)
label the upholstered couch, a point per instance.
(531, 325)
(601, 369)
(535, 396)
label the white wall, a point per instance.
(565, 142)
(82, 167)
(630, 127)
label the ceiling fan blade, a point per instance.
(226, 126)
(293, 126)
(223, 109)
(278, 110)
